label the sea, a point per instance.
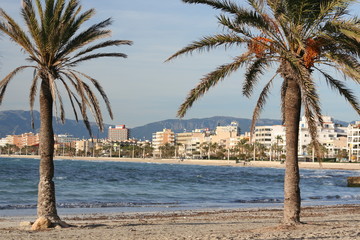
(102, 186)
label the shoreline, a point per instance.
(232, 163)
(321, 222)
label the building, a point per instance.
(160, 139)
(273, 138)
(118, 133)
(223, 134)
(25, 139)
(353, 141)
(65, 138)
(189, 143)
(329, 135)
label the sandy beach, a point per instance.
(266, 164)
(332, 222)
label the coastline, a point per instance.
(321, 222)
(232, 163)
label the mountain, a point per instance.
(180, 125)
(18, 122)
(15, 122)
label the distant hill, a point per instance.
(180, 125)
(16, 122)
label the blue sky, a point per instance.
(144, 89)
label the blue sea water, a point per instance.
(93, 186)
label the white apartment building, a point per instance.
(188, 143)
(269, 135)
(329, 135)
(354, 141)
(161, 138)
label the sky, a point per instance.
(143, 88)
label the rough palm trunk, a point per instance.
(46, 194)
(292, 111)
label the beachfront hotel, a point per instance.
(118, 133)
(330, 134)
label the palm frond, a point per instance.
(346, 64)
(91, 34)
(5, 81)
(209, 81)
(260, 104)
(103, 45)
(210, 42)
(32, 95)
(101, 91)
(71, 96)
(56, 97)
(224, 5)
(13, 30)
(233, 26)
(84, 101)
(28, 13)
(94, 107)
(343, 91)
(252, 75)
(93, 56)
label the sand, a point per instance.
(334, 222)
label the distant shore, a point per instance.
(233, 163)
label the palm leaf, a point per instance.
(209, 81)
(210, 42)
(260, 104)
(252, 75)
(32, 95)
(343, 91)
(101, 91)
(5, 81)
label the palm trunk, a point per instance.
(46, 193)
(292, 111)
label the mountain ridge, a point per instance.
(15, 122)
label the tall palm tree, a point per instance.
(297, 38)
(54, 46)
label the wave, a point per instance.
(94, 205)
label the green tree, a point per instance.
(241, 145)
(278, 148)
(54, 46)
(167, 150)
(297, 38)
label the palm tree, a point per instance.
(54, 46)
(297, 38)
(241, 146)
(278, 148)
